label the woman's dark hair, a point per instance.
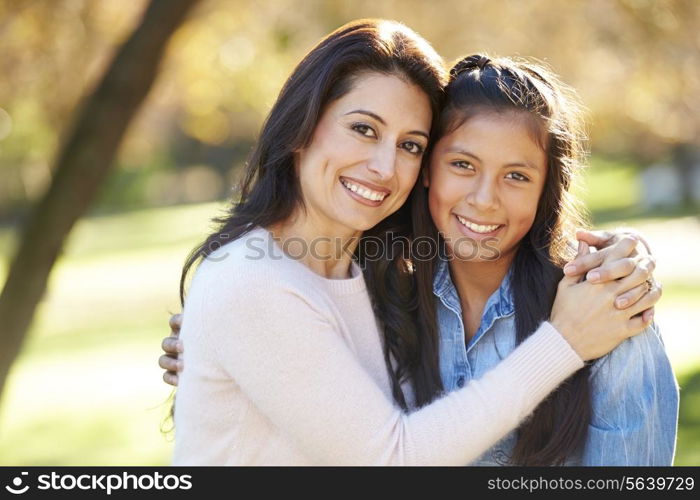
(480, 85)
(270, 192)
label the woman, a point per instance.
(286, 362)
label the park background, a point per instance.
(85, 388)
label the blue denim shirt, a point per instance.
(633, 389)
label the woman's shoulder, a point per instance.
(250, 273)
(249, 264)
(249, 258)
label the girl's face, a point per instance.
(485, 179)
(365, 154)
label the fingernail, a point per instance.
(180, 346)
(569, 269)
(593, 276)
(180, 365)
(622, 302)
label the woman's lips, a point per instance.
(367, 194)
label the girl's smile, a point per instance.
(477, 230)
(485, 181)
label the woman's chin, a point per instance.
(361, 224)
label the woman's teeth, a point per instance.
(367, 194)
(477, 228)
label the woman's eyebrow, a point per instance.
(381, 120)
(368, 113)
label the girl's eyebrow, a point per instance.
(464, 152)
(381, 120)
(521, 164)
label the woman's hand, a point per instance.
(617, 256)
(585, 313)
(172, 347)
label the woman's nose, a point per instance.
(383, 162)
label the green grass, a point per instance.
(612, 190)
(688, 452)
(87, 389)
(609, 186)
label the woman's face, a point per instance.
(485, 180)
(365, 154)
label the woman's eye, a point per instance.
(413, 147)
(364, 129)
(462, 164)
(517, 176)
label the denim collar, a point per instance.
(500, 304)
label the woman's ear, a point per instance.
(425, 177)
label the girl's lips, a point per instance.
(471, 233)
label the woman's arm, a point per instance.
(295, 368)
(617, 256)
(293, 365)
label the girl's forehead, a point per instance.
(463, 124)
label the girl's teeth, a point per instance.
(477, 228)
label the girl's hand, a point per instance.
(585, 313)
(172, 347)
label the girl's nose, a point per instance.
(485, 196)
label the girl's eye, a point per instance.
(364, 129)
(517, 176)
(463, 164)
(413, 147)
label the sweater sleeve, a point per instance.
(289, 359)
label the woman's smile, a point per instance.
(370, 195)
(365, 154)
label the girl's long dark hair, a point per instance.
(269, 191)
(558, 426)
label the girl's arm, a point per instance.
(634, 405)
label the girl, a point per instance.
(509, 145)
(286, 362)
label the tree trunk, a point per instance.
(82, 165)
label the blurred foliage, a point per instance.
(633, 61)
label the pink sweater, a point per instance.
(283, 366)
